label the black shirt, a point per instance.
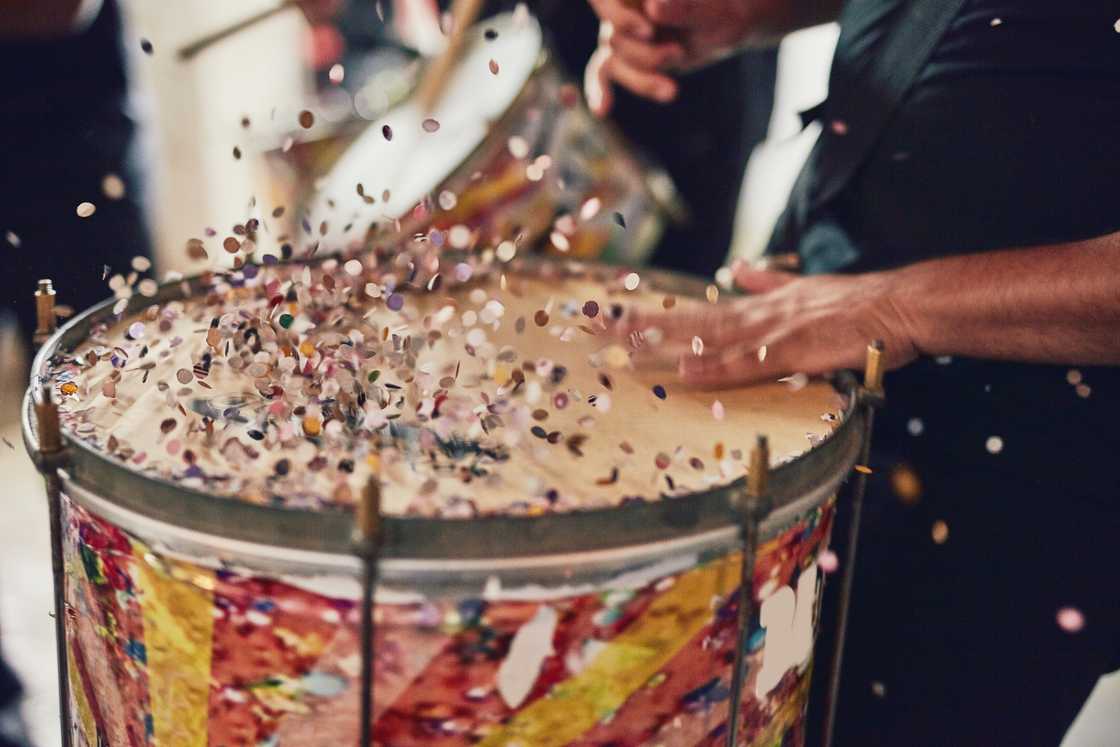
(1008, 137)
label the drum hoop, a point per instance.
(481, 538)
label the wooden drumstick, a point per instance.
(188, 51)
(463, 15)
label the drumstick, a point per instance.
(463, 15)
(188, 51)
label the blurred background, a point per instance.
(218, 138)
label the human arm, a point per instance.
(1050, 304)
(44, 19)
(643, 41)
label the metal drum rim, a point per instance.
(481, 538)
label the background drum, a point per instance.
(510, 152)
(575, 612)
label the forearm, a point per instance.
(1054, 304)
(44, 19)
(770, 20)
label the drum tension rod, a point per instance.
(870, 397)
(368, 535)
(752, 506)
(50, 457)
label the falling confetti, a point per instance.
(353, 268)
(387, 132)
(306, 119)
(878, 689)
(631, 281)
(430, 125)
(518, 146)
(994, 444)
(915, 426)
(939, 532)
(996, 22)
(718, 411)
(86, 209)
(697, 346)
(336, 74)
(659, 391)
(112, 186)
(1070, 619)
(619, 220)
(12, 238)
(146, 46)
(493, 67)
(828, 561)
(762, 354)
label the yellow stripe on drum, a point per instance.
(177, 605)
(624, 665)
(86, 724)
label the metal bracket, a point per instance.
(49, 458)
(870, 397)
(368, 537)
(752, 507)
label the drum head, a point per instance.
(403, 156)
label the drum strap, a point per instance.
(866, 87)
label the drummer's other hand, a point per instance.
(633, 63)
(808, 324)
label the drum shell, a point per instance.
(170, 644)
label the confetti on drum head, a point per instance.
(718, 410)
(828, 561)
(697, 346)
(711, 293)
(494, 69)
(387, 132)
(762, 354)
(939, 532)
(86, 209)
(306, 119)
(146, 46)
(994, 444)
(430, 125)
(353, 268)
(1070, 619)
(590, 208)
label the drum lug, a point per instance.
(50, 457)
(368, 537)
(870, 397)
(751, 505)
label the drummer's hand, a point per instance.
(320, 11)
(629, 59)
(808, 324)
(633, 54)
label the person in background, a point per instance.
(959, 206)
(703, 148)
(69, 138)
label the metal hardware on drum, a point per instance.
(869, 397)
(50, 456)
(753, 504)
(367, 544)
(44, 311)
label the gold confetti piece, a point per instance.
(712, 293)
(906, 484)
(86, 209)
(312, 426)
(112, 186)
(940, 532)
